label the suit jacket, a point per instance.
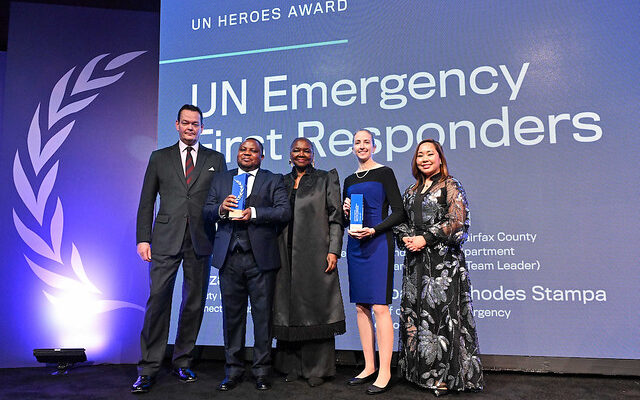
(179, 202)
(269, 198)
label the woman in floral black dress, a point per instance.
(438, 341)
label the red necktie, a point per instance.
(188, 165)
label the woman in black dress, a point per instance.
(438, 341)
(308, 310)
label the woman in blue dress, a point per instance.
(370, 255)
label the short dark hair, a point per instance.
(259, 144)
(190, 107)
(303, 139)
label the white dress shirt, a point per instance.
(183, 153)
(250, 179)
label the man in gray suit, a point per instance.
(181, 174)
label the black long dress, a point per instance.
(438, 340)
(308, 311)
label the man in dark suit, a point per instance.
(181, 174)
(246, 253)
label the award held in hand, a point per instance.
(239, 189)
(357, 212)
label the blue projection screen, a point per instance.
(535, 103)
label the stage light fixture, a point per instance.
(64, 358)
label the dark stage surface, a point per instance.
(113, 381)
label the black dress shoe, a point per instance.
(185, 375)
(362, 381)
(228, 384)
(262, 383)
(315, 381)
(142, 384)
(373, 389)
(291, 377)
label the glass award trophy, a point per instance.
(357, 212)
(239, 189)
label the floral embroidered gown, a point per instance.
(438, 340)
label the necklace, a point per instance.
(365, 174)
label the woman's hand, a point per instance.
(332, 262)
(346, 206)
(414, 243)
(361, 233)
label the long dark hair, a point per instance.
(420, 178)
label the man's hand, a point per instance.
(229, 203)
(332, 262)
(246, 215)
(144, 251)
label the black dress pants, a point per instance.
(155, 331)
(240, 278)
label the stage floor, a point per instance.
(113, 382)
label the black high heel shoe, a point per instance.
(361, 381)
(373, 389)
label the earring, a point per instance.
(290, 162)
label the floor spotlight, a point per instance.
(64, 358)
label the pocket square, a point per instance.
(212, 169)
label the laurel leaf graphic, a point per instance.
(57, 223)
(53, 300)
(108, 305)
(78, 268)
(55, 142)
(34, 139)
(53, 279)
(23, 187)
(123, 59)
(34, 241)
(55, 100)
(46, 187)
(84, 81)
(39, 155)
(74, 107)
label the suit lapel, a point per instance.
(203, 156)
(176, 161)
(232, 173)
(257, 183)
